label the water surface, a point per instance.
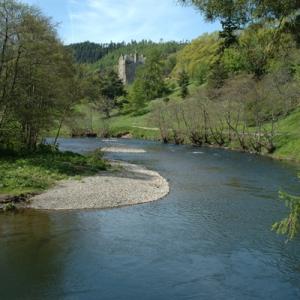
(209, 238)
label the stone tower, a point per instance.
(128, 65)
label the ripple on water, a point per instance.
(210, 238)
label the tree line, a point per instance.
(39, 82)
(88, 52)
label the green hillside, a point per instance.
(197, 57)
(244, 96)
(110, 59)
(288, 140)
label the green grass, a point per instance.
(288, 139)
(35, 172)
(141, 126)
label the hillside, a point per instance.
(88, 53)
(105, 56)
(143, 126)
(197, 57)
(143, 47)
(232, 94)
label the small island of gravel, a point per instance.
(127, 184)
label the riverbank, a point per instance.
(54, 180)
(25, 174)
(126, 184)
(286, 140)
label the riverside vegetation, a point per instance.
(238, 88)
(39, 84)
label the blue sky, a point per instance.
(123, 20)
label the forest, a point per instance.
(88, 52)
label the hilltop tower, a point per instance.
(128, 65)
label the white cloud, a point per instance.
(118, 20)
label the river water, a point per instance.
(210, 238)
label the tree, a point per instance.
(35, 72)
(152, 76)
(88, 52)
(183, 82)
(137, 96)
(238, 14)
(289, 226)
(110, 87)
(149, 83)
(74, 92)
(44, 76)
(245, 11)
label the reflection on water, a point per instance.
(209, 239)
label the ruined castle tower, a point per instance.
(128, 65)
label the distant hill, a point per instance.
(106, 56)
(144, 47)
(88, 52)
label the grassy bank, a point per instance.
(35, 172)
(287, 140)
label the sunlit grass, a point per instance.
(28, 173)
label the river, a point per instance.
(210, 238)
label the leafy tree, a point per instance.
(137, 96)
(110, 87)
(35, 75)
(238, 14)
(183, 82)
(152, 75)
(170, 64)
(245, 11)
(201, 73)
(197, 57)
(289, 226)
(218, 75)
(149, 83)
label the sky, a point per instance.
(102, 21)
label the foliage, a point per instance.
(110, 86)
(245, 11)
(149, 83)
(103, 90)
(197, 57)
(183, 82)
(88, 52)
(137, 94)
(36, 76)
(289, 226)
(145, 47)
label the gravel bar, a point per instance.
(128, 184)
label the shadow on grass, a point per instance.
(32, 172)
(69, 163)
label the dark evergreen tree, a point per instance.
(183, 82)
(110, 88)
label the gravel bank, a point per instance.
(131, 184)
(122, 150)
